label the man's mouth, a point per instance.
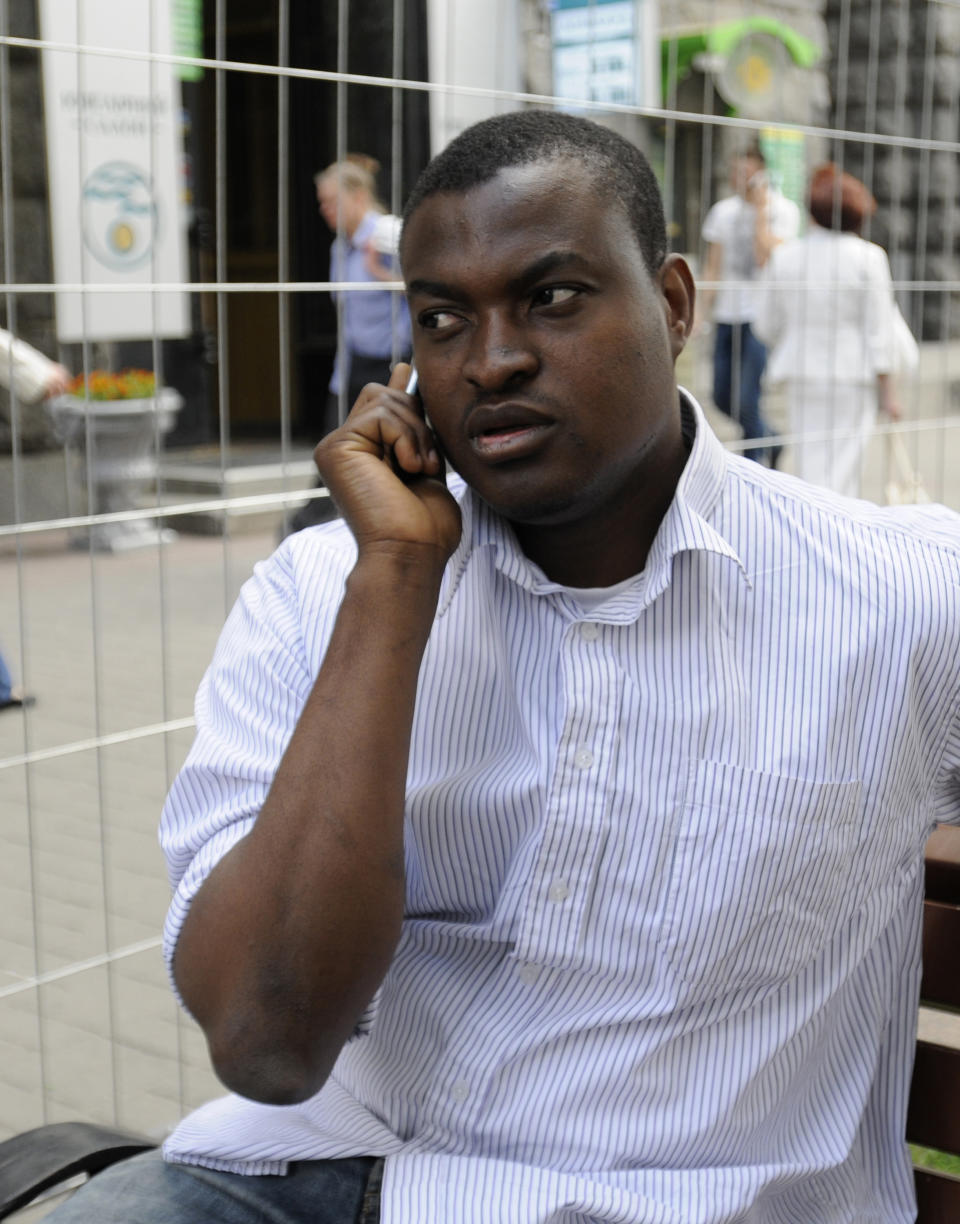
(507, 432)
(498, 445)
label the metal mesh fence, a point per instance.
(120, 558)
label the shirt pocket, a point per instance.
(761, 876)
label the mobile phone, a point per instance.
(413, 388)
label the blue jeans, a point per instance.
(738, 362)
(6, 683)
(146, 1190)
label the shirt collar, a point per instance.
(686, 527)
(691, 522)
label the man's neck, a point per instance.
(611, 545)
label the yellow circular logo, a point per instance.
(118, 212)
(754, 74)
(122, 238)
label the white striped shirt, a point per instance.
(660, 958)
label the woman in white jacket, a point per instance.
(31, 377)
(827, 315)
(27, 373)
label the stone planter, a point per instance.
(112, 448)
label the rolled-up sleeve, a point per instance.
(246, 709)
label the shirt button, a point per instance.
(590, 631)
(583, 759)
(460, 1091)
(528, 974)
(558, 891)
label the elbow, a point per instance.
(269, 1076)
(270, 1061)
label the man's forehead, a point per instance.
(545, 176)
(555, 194)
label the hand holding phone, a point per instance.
(757, 185)
(385, 472)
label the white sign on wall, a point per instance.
(603, 51)
(467, 48)
(115, 170)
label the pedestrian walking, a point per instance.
(741, 232)
(31, 377)
(828, 315)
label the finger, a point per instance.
(399, 375)
(407, 456)
(389, 422)
(409, 441)
(426, 440)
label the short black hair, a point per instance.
(519, 138)
(753, 152)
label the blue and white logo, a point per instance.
(118, 215)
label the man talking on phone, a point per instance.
(741, 231)
(550, 849)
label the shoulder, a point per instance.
(720, 216)
(368, 224)
(913, 551)
(874, 256)
(301, 584)
(783, 215)
(313, 564)
(849, 585)
(787, 255)
(327, 550)
(786, 207)
(723, 207)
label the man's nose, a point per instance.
(500, 352)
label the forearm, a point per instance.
(293, 931)
(23, 369)
(887, 402)
(764, 239)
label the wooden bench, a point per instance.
(933, 1118)
(39, 1159)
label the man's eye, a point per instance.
(553, 295)
(438, 320)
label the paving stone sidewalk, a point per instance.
(110, 645)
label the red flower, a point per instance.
(104, 385)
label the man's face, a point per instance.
(742, 171)
(338, 207)
(544, 346)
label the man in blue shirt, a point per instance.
(375, 330)
(374, 327)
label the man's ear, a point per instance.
(679, 295)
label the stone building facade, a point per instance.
(885, 67)
(23, 183)
(894, 72)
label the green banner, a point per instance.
(186, 21)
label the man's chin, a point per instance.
(541, 509)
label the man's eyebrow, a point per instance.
(550, 262)
(553, 261)
(431, 288)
